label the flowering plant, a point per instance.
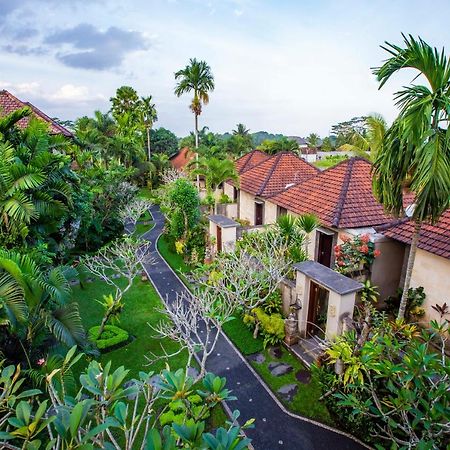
(355, 254)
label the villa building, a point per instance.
(9, 103)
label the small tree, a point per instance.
(121, 259)
(196, 320)
(132, 211)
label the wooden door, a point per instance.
(219, 239)
(317, 310)
(325, 249)
(259, 210)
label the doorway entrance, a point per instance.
(259, 211)
(325, 248)
(219, 239)
(317, 310)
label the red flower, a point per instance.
(365, 238)
(364, 248)
(340, 263)
(376, 253)
(345, 239)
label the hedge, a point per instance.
(110, 337)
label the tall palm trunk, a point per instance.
(148, 144)
(196, 147)
(409, 269)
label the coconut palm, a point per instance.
(196, 77)
(313, 140)
(415, 153)
(215, 171)
(148, 116)
(241, 130)
(368, 144)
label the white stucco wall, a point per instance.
(433, 273)
(270, 213)
(247, 207)
(228, 189)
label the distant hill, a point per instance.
(261, 136)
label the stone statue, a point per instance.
(291, 328)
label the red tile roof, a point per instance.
(10, 103)
(182, 158)
(433, 238)
(275, 174)
(250, 160)
(341, 196)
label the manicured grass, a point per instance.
(145, 192)
(242, 337)
(173, 259)
(142, 228)
(329, 161)
(141, 308)
(306, 401)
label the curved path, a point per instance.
(275, 427)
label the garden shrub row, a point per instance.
(111, 336)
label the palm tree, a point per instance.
(196, 77)
(415, 153)
(369, 144)
(37, 304)
(125, 101)
(308, 223)
(241, 130)
(149, 116)
(215, 171)
(313, 140)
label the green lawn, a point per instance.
(141, 305)
(173, 259)
(242, 337)
(329, 161)
(142, 228)
(145, 192)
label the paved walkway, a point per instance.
(274, 428)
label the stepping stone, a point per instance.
(275, 352)
(192, 372)
(278, 368)
(259, 358)
(288, 391)
(304, 376)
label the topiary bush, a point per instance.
(111, 336)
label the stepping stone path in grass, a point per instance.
(288, 391)
(259, 358)
(192, 372)
(304, 376)
(275, 352)
(278, 368)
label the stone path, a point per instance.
(275, 428)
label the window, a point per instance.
(281, 211)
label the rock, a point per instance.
(304, 376)
(192, 372)
(275, 352)
(288, 391)
(258, 358)
(278, 368)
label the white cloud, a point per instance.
(71, 93)
(21, 88)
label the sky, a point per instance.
(284, 66)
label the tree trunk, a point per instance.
(196, 147)
(148, 144)
(409, 269)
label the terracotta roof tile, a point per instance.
(275, 174)
(340, 196)
(433, 238)
(250, 160)
(182, 158)
(10, 103)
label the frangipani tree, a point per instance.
(414, 157)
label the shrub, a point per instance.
(355, 254)
(224, 199)
(272, 326)
(110, 337)
(273, 303)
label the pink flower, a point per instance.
(345, 238)
(365, 238)
(364, 249)
(376, 253)
(41, 362)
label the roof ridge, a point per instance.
(343, 193)
(270, 173)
